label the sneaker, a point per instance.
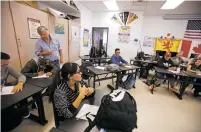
(151, 87)
(34, 106)
(26, 114)
(173, 89)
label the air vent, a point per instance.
(139, 2)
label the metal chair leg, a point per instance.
(98, 81)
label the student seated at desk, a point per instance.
(7, 70)
(165, 63)
(117, 59)
(10, 117)
(192, 60)
(39, 66)
(177, 60)
(69, 93)
(196, 68)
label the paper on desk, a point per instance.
(86, 108)
(41, 76)
(101, 68)
(176, 72)
(7, 90)
(128, 66)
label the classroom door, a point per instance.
(20, 14)
(8, 39)
(74, 41)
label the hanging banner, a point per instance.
(125, 17)
(124, 34)
(59, 28)
(167, 44)
(148, 41)
(121, 16)
(131, 18)
(86, 38)
(33, 24)
(116, 19)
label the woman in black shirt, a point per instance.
(69, 93)
(196, 68)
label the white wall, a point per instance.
(156, 26)
(128, 50)
(86, 22)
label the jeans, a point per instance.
(56, 63)
(197, 87)
(160, 80)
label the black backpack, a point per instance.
(84, 70)
(117, 112)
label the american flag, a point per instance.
(193, 30)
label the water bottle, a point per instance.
(178, 70)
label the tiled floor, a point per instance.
(158, 112)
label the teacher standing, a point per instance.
(48, 47)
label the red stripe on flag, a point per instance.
(192, 31)
(192, 37)
(187, 34)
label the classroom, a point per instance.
(101, 66)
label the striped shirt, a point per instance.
(64, 96)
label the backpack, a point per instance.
(84, 69)
(112, 67)
(129, 82)
(116, 112)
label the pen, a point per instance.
(83, 115)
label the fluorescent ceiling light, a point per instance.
(111, 5)
(171, 4)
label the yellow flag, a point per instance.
(167, 44)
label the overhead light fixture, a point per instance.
(171, 4)
(111, 5)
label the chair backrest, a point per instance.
(56, 117)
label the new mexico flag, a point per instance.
(167, 44)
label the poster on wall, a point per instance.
(86, 38)
(59, 28)
(124, 34)
(148, 41)
(33, 24)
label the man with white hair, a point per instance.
(49, 47)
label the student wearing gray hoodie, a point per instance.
(7, 70)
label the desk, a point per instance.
(189, 80)
(73, 125)
(145, 65)
(85, 58)
(28, 91)
(166, 71)
(40, 82)
(97, 72)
